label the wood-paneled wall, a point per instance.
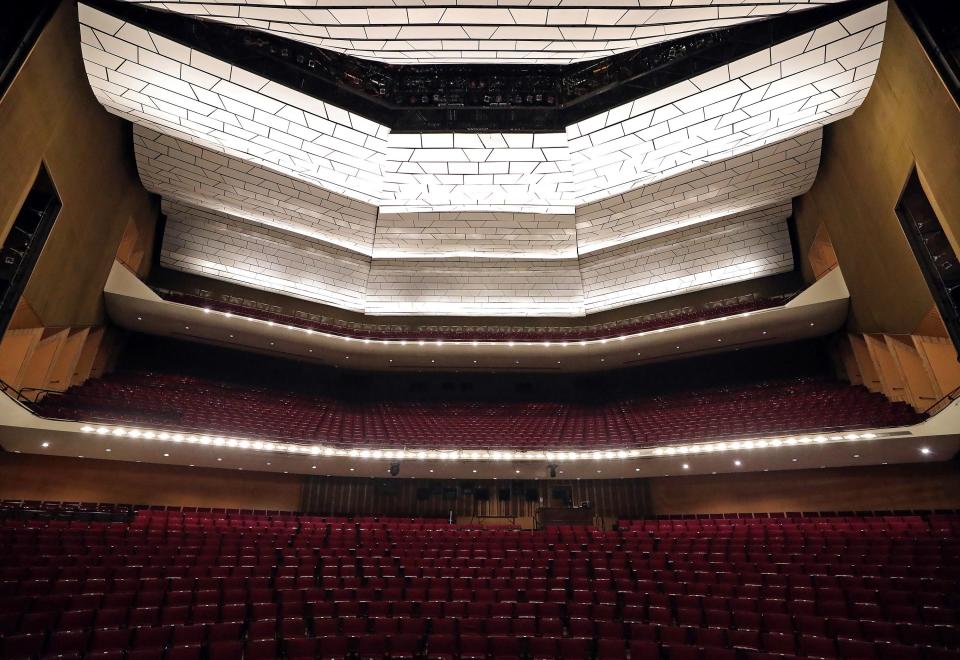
(919, 486)
(57, 478)
(909, 118)
(49, 115)
(879, 487)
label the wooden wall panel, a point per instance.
(919, 486)
(921, 391)
(870, 378)
(908, 117)
(939, 358)
(882, 487)
(16, 349)
(49, 115)
(891, 379)
(38, 368)
(30, 476)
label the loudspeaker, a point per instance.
(394, 469)
(553, 471)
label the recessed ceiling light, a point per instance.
(518, 471)
(186, 327)
(794, 460)
(926, 451)
(313, 467)
(678, 348)
(219, 459)
(166, 455)
(45, 445)
(351, 469)
(812, 324)
(269, 463)
(139, 318)
(271, 343)
(231, 336)
(737, 462)
(474, 471)
(108, 449)
(856, 455)
(431, 471)
(686, 466)
(598, 471)
(718, 339)
(764, 332)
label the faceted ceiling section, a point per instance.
(684, 188)
(178, 169)
(773, 95)
(407, 32)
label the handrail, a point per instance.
(15, 395)
(943, 402)
(338, 444)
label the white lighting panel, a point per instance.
(409, 32)
(475, 287)
(774, 173)
(475, 234)
(727, 250)
(233, 249)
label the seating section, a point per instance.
(612, 329)
(223, 584)
(179, 402)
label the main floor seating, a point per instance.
(199, 404)
(218, 584)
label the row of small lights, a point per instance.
(469, 454)
(475, 342)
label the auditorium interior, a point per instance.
(495, 330)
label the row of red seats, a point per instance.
(193, 404)
(871, 588)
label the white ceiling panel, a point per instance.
(550, 32)
(708, 164)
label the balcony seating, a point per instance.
(179, 402)
(229, 584)
(613, 329)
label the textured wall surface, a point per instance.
(236, 250)
(476, 287)
(728, 250)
